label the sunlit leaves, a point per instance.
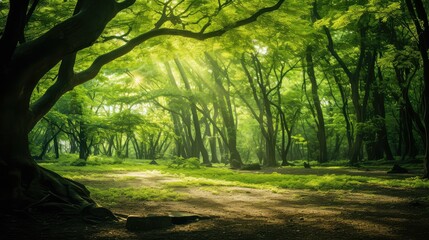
(125, 121)
(407, 58)
(351, 15)
(380, 9)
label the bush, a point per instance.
(103, 160)
(189, 163)
(78, 163)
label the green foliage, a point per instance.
(125, 121)
(186, 163)
(73, 160)
(128, 108)
(78, 163)
(332, 178)
(114, 196)
(402, 59)
(102, 160)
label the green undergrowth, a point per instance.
(290, 181)
(222, 176)
(114, 196)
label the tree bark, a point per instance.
(380, 111)
(259, 85)
(226, 110)
(199, 143)
(418, 13)
(320, 122)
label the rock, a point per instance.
(139, 223)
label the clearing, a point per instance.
(245, 211)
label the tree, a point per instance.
(224, 102)
(319, 118)
(262, 91)
(197, 143)
(24, 63)
(417, 10)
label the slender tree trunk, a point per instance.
(320, 122)
(56, 147)
(199, 144)
(353, 78)
(212, 142)
(226, 110)
(259, 85)
(126, 146)
(345, 112)
(380, 111)
(83, 144)
(177, 125)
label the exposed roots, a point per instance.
(38, 189)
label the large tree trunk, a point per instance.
(418, 13)
(23, 183)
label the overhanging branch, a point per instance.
(99, 62)
(102, 60)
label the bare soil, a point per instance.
(246, 213)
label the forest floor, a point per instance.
(249, 213)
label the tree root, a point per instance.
(42, 190)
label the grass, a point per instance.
(115, 196)
(108, 190)
(290, 181)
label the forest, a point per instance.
(312, 105)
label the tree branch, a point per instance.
(99, 62)
(13, 30)
(102, 60)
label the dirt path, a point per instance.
(247, 213)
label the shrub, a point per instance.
(189, 163)
(78, 163)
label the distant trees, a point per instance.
(349, 87)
